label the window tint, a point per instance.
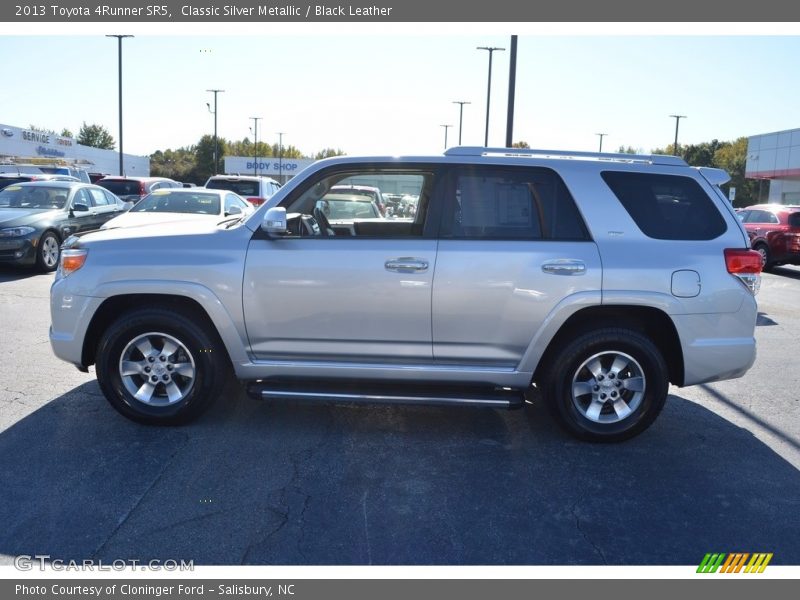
(667, 207)
(515, 204)
(794, 219)
(121, 187)
(243, 188)
(762, 216)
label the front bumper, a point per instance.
(70, 316)
(20, 250)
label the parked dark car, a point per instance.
(774, 230)
(133, 189)
(36, 217)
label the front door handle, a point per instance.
(564, 266)
(406, 265)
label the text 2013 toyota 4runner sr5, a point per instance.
(597, 278)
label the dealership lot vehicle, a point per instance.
(133, 189)
(182, 205)
(256, 189)
(591, 277)
(774, 231)
(370, 192)
(36, 217)
(9, 179)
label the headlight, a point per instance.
(16, 231)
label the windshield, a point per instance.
(341, 206)
(36, 197)
(121, 187)
(240, 187)
(179, 202)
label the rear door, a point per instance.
(512, 247)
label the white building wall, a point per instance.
(25, 143)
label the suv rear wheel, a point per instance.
(157, 366)
(607, 385)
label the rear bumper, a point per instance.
(708, 357)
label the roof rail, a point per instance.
(653, 159)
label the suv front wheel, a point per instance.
(156, 366)
(607, 385)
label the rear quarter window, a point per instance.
(667, 207)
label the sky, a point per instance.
(388, 91)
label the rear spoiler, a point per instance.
(714, 176)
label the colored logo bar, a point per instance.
(735, 562)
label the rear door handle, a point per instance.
(564, 266)
(406, 264)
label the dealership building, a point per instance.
(775, 158)
(26, 146)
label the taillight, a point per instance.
(255, 201)
(746, 265)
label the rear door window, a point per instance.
(511, 204)
(667, 207)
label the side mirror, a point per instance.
(274, 223)
(80, 207)
(233, 210)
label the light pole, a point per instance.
(280, 156)
(216, 145)
(602, 135)
(119, 58)
(677, 122)
(461, 104)
(255, 144)
(446, 127)
(491, 50)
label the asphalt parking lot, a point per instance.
(261, 483)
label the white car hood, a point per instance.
(136, 219)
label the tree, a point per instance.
(204, 158)
(66, 133)
(732, 156)
(175, 164)
(520, 144)
(328, 152)
(628, 150)
(96, 136)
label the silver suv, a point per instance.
(595, 279)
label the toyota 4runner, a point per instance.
(597, 279)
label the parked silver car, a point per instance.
(597, 279)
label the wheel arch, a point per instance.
(651, 322)
(113, 306)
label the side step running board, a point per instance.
(486, 398)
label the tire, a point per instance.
(48, 251)
(766, 261)
(186, 358)
(607, 385)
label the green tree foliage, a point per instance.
(328, 152)
(204, 158)
(628, 150)
(175, 164)
(66, 133)
(96, 136)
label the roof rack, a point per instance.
(653, 159)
